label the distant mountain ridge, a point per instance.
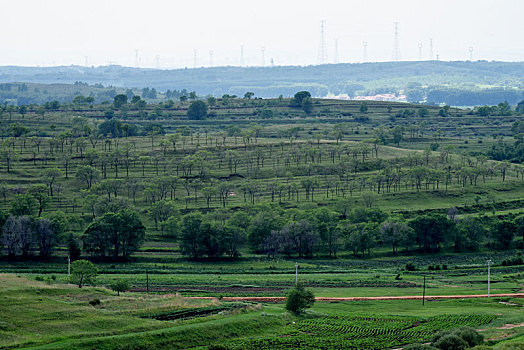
(320, 80)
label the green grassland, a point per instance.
(263, 162)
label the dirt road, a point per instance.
(408, 297)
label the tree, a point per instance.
(83, 272)
(23, 204)
(299, 299)
(248, 95)
(119, 101)
(46, 237)
(161, 211)
(49, 176)
(363, 107)
(431, 231)
(503, 232)
(39, 192)
(17, 235)
(299, 97)
(114, 234)
(307, 105)
(88, 174)
(120, 286)
(192, 240)
(197, 110)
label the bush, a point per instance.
(450, 342)
(94, 302)
(410, 267)
(299, 299)
(471, 336)
(417, 346)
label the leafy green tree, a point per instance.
(248, 95)
(503, 232)
(161, 211)
(307, 105)
(40, 193)
(299, 97)
(114, 234)
(299, 299)
(197, 110)
(120, 286)
(431, 231)
(363, 107)
(83, 272)
(119, 101)
(46, 237)
(24, 204)
(192, 240)
(49, 177)
(88, 174)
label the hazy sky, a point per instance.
(64, 32)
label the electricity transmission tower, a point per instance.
(263, 56)
(322, 50)
(194, 58)
(396, 49)
(335, 58)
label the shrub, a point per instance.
(94, 302)
(471, 336)
(410, 267)
(417, 346)
(450, 342)
(299, 299)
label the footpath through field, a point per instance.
(407, 297)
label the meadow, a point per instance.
(251, 164)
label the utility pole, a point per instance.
(322, 52)
(68, 266)
(424, 291)
(365, 44)
(396, 50)
(420, 51)
(489, 276)
(296, 273)
(147, 281)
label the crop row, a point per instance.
(344, 332)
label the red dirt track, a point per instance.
(408, 297)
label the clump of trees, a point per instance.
(299, 299)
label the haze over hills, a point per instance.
(456, 83)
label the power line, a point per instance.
(322, 51)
